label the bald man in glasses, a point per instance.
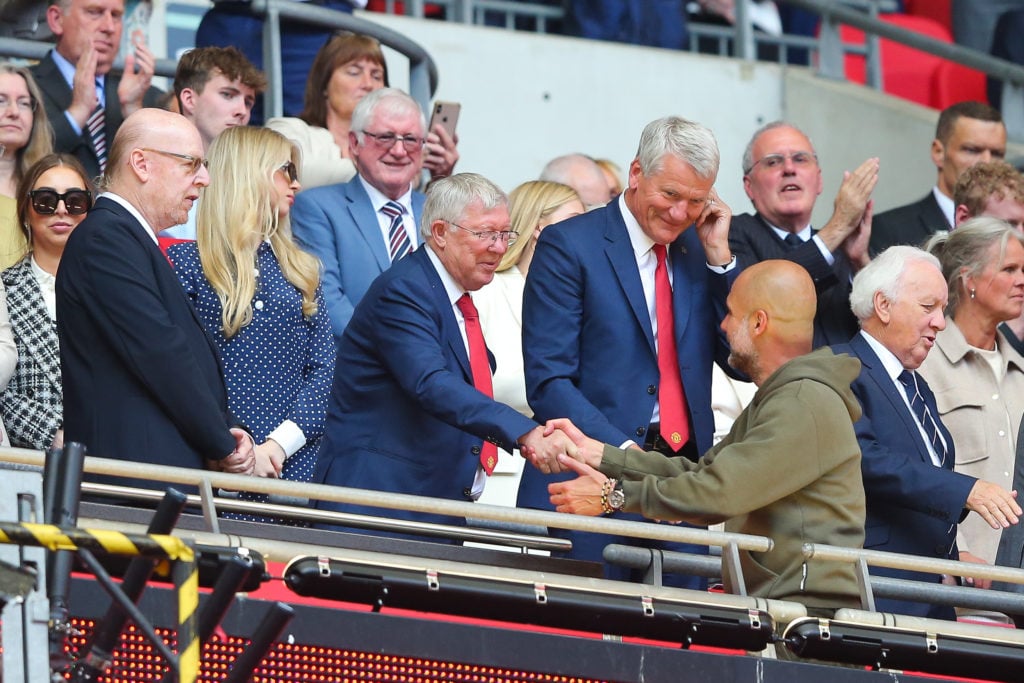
(142, 380)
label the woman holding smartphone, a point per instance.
(259, 296)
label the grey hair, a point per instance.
(388, 101)
(966, 251)
(884, 274)
(448, 198)
(686, 140)
(748, 153)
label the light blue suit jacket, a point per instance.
(337, 223)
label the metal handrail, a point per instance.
(931, 565)
(21, 48)
(398, 501)
(423, 76)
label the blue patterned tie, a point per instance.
(922, 413)
(398, 239)
(96, 125)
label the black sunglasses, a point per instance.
(45, 201)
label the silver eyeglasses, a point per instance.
(388, 140)
(774, 161)
(509, 237)
(23, 104)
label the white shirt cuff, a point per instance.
(829, 258)
(721, 270)
(289, 437)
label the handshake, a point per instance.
(552, 446)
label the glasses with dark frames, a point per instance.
(290, 171)
(45, 200)
(193, 162)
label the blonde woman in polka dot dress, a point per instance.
(259, 297)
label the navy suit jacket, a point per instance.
(752, 240)
(913, 506)
(588, 345)
(339, 225)
(404, 415)
(57, 98)
(912, 224)
(142, 379)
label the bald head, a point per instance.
(771, 317)
(154, 165)
(582, 174)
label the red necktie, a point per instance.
(481, 368)
(675, 423)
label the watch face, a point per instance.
(616, 499)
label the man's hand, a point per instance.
(139, 66)
(851, 202)
(242, 460)
(582, 495)
(970, 580)
(440, 154)
(542, 448)
(270, 459)
(713, 230)
(996, 505)
(855, 246)
(83, 87)
(588, 450)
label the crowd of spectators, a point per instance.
(574, 321)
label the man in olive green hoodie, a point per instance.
(789, 469)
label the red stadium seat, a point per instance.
(914, 75)
(939, 10)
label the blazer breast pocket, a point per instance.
(962, 410)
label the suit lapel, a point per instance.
(619, 251)
(876, 372)
(25, 303)
(365, 220)
(449, 325)
(929, 401)
(681, 289)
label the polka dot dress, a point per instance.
(278, 367)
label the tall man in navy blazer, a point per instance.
(589, 308)
(345, 225)
(914, 498)
(142, 379)
(74, 77)
(782, 178)
(404, 414)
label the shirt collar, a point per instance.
(451, 288)
(893, 366)
(378, 199)
(953, 345)
(947, 206)
(804, 234)
(40, 274)
(638, 239)
(134, 212)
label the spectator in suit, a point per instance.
(215, 88)
(84, 102)
(412, 409)
(53, 198)
(258, 296)
(346, 69)
(533, 206)
(582, 174)
(782, 178)
(800, 423)
(142, 379)
(914, 498)
(996, 189)
(629, 365)
(966, 133)
(976, 374)
(359, 228)
(25, 138)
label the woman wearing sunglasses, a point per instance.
(53, 198)
(25, 138)
(259, 296)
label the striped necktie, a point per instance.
(96, 126)
(398, 239)
(924, 416)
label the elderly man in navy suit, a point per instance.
(621, 312)
(412, 409)
(782, 177)
(359, 228)
(914, 498)
(142, 379)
